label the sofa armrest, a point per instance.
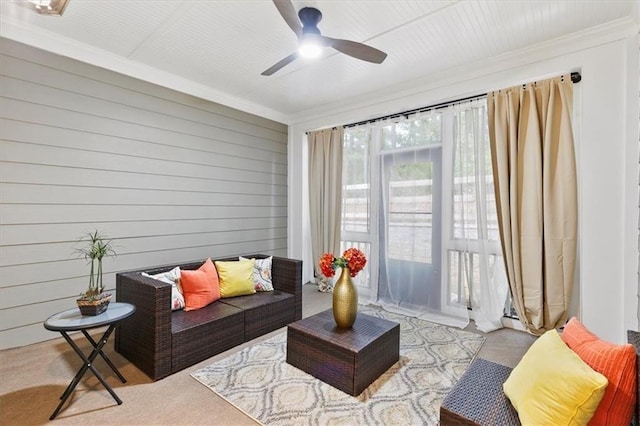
(286, 275)
(145, 338)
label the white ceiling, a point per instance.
(217, 49)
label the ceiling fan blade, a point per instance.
(356, 50)
(289, 14)
(281, 64)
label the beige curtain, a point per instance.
(536, 195)
(325, 195)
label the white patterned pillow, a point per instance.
(261, 273)
(171, 277)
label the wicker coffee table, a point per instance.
(347, 359)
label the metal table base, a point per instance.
(71, 320)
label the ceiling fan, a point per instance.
(305, 25)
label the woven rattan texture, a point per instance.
(265, 318)
(348, 359)
(478, 399)
(287, 277)
(145, 338)
(194, 344)
(160, 342)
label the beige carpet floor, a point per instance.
(33, 377)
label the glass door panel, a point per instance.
(410, 229)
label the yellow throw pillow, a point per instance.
(551, 385)
(236, 277)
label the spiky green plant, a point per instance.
(95, 247)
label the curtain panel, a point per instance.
(475, 233)
(534, 172)
(325, 195)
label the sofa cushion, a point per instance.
(264, 311)
(551, 385)
(183, 320)
(261, 273)
(236, 277)
(200, 287)
(616, 362)
(258, 299)
(171, 277)
(200, 334)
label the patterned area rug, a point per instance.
(259, 382)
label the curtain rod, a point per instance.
(575, 78)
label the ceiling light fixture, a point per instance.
(310, 46)
(48, 7)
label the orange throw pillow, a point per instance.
(616, 362)
(200, 287)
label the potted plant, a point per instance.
(94, 247)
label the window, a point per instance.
(418, 199)
(356, 201)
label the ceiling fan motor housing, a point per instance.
(310, 17)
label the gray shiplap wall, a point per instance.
(168, 176)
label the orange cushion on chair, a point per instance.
(616, 362)
(200, 287)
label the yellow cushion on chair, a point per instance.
(551, 385)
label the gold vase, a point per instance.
(345, 300)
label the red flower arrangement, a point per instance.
(352, 258)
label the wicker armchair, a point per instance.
(161, 342)
(477, 398)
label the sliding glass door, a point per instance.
(410, 227)
(418, 199)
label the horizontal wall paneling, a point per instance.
(169, 177)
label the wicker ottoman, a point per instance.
(478, 399)
(347, 359)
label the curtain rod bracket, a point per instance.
(576, 77)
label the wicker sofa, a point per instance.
(478, 399)
(161, 342)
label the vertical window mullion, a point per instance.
(447, 213)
